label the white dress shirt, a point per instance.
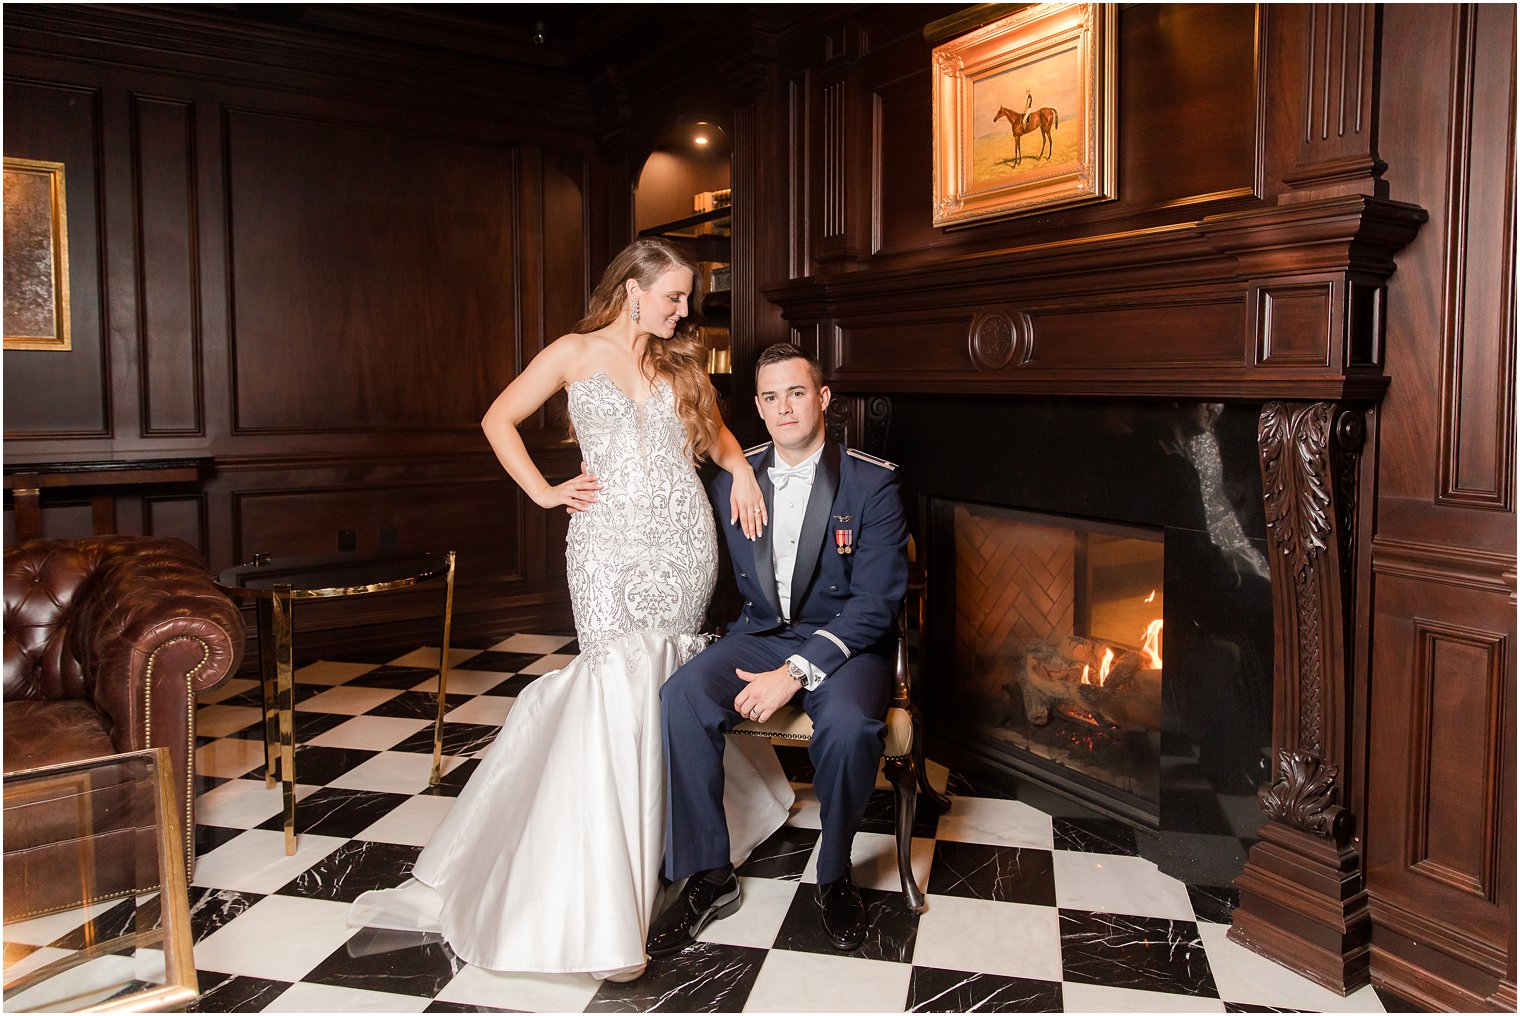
(789, 502)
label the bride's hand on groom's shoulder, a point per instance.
(747, 506)
(577, 493)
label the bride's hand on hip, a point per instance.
(577, 493)
(747, 506)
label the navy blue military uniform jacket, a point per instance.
(842, 604)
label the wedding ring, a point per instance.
(756, 509)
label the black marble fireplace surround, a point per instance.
(1188, 470)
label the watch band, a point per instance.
(798, 674)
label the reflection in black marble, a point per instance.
(500, 663)
(978, 784)
(893, 927)
(784, 854)
(401, 962)
(355, 867)
(318, 766)
(458, 739)
(1214, 903)
(981, 871)
(705, 978)
(1094, 836)
(1144, 953)
(232, 993)
(388, 676)
(454, 780)
(934, 990)
(417, 705)
(881, 816)
(332, 811)
(513, 686)
(1396, 1003)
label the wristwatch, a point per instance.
(797, 672)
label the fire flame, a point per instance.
(1151, 598)
(1151, 647)
(1105, 665)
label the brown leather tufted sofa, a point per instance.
(107, 642)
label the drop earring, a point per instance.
(633, 312)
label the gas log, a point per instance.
(1078, 677)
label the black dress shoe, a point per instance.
(843, 912)
(700, 902)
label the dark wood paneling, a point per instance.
(914, 344)
(183, 517)
(1294, 325)
(367, 274)
(1478, 374)
(167, 257)
(1178, 332)
(51, 394)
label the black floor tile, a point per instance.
(705, 978)
(403, 963)
(982, 871)
(319, 766)
(404, 678)
(336, 812)
(417, 705)
(1144, 953)
(784, 854)
(501, 663)
(208, 838)
(893, 927)
(454, 780)
(1095, 835)
(436, 1006)
(111, 923)
(458, 739)
(356, 867)
(934, 990)
(231, 993)
(513, 685)
(1249, 1007)
(1396, 1003)
(1213, 903)
(881, 815)
(213, 909)
(795, 763)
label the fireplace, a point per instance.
(1060, 531)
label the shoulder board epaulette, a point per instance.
(756, 449)
(873, 460)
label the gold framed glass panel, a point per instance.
(36, 256)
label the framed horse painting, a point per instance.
(1024, 114)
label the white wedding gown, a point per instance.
(549, 859)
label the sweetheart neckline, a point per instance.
(653, 389)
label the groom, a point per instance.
(822, 589)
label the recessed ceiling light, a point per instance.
(700, 139)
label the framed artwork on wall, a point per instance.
(1024, 114)
(36, 256)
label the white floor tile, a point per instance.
(873, 861)
(427, 656)
(32, 960)
(1243, 976)
(1118, 885)
(532, 644)
(763, 907)
(789, 980)
(390, 772)
(372, 733)
(354, 701)
(524, 992)
(544, 664)
(256, 862)
(219, 721)
(307, 997)
(331, 672)
(226, 690)
(243, 804)
(411, 822)
(1013, 939)
(279, 937)
(467, 682)
(1101, 998)
(1002, 823)
(490, 710)
(229, 757)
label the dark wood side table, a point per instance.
(26, 481)
(275, 584)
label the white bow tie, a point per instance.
(781, 474)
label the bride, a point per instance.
(548, 861)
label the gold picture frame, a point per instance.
(36, 312)
(1024, 114)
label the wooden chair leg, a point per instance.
(937, 803)
(904, 794)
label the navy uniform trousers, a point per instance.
(848, 737)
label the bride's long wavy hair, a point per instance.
(681, 359)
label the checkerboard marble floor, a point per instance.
(1029, 910)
